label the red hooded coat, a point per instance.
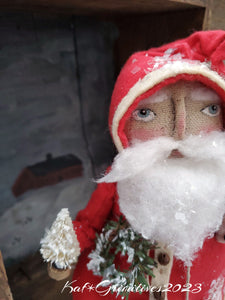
(200, 57)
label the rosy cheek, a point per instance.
(144, 134)
(208, 129)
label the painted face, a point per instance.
(177, 110)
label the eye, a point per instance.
(143, 114)
(212, 110)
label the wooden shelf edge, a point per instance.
(101, 6)
(5, 292)
(199, 3)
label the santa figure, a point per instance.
(166, 120)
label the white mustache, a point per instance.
(195, 147)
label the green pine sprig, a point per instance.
(117, 237)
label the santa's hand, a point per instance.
(58, 274)
(220, 234)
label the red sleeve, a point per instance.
(91, 219)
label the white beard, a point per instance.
(177, 201)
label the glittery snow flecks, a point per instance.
(216, 290)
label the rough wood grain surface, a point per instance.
(5, 293)
(201, 3)
(214, 15)
(29, 280)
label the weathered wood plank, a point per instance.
(214, 15)
(5, 292)
(29, 280)
(200, 3)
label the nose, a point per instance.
(179, 115)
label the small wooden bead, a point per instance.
(163, 259)
(159, 295)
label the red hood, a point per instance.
(200, 57)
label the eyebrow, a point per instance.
(204, 94)
(157, 97)
(199, 93)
